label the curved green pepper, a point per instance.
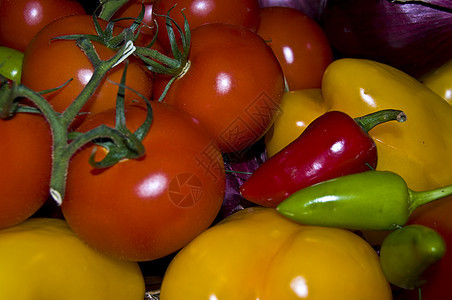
(371, 200)
(407, 252)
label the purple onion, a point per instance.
(415, 37)
(239, 167)
(312, 8)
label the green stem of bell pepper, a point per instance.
(371, 120)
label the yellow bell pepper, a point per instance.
(440, 81)
(41, 259)
(297, 110)
(418, 149)
(258, 254)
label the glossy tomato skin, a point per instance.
(234, 85)
(20, 20)
(49, 65)
(436, 215)
(147, 208)
(26, 152)
(198, 12)
(299, 43)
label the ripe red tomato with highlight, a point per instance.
(49, 64)
(150, 207)
(234, 84)
(26, 151)
(299, 43)
(198, 12)
(20, 20)
(435, 215)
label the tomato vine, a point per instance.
(119, 141)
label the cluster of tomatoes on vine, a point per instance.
(189, 92)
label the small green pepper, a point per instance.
(371, 200)
(407, 252)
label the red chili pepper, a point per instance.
(333, 145)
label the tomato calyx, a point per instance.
(9, 105)
(175, 66)
(125, 145)
(107, 37)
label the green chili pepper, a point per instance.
(371, 200)
(407, 252)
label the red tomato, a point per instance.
(26, 165)
(199, 12)
(20, 20)
(299, 43)
(436, 215)
(48, 65)
(234, 84)
(147, 208)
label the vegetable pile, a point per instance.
(181, 149)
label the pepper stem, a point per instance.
(418, 199)
(369, 121)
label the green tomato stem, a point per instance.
(62, 149)
(101, 68)
(58, 129)
(109, 8)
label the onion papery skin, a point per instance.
(312, 8)
(413, 37)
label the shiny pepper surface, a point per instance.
(440, 81)
(342, 146)
(258, 254)
(419, 150)
(41, 259)
(299, 108)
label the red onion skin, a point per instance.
(312, 8)
(414, 38)
(239, 167)
(440, 4)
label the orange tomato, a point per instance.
(299, 43)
